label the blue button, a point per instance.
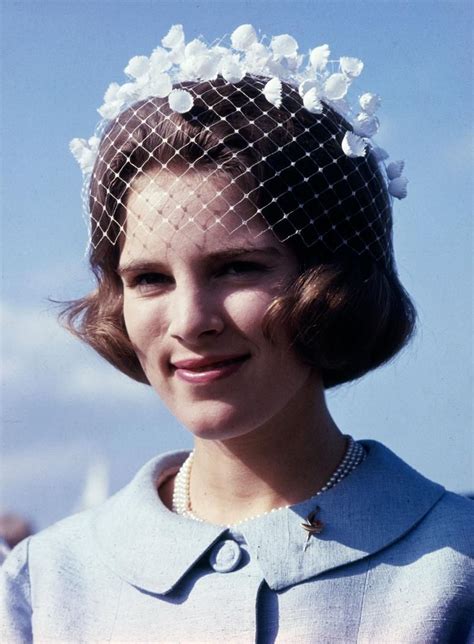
(225, 556)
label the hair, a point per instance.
(347, 312)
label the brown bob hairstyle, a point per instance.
(347, 312)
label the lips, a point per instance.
(199, 364)
(208, 369)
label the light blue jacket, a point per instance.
(392, 564)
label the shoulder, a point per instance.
(400, 501)
(450, 526)
(79, 542)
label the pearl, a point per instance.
(353, 457)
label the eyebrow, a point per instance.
(139, 266)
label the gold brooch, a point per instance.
(312, 525)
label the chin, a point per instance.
(217, 422)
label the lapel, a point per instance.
(150, 547)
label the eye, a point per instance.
(148, 281)
(242, 268)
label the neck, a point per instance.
(279, 464)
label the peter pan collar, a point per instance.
(152, 548)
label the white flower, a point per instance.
(398, 187)
(336, 87)
(284, 45)
(137, 66)
(256, 58)
(159, 60)
(272, 91)
(111, 92)
(351, 67)
(128, 92)
(159, 85)
(312, 102)
(174, 38)
(204, 66)
(380, 154)
(180, 100)
(366, 125)
(395, 169)
(353, 146)
(176, 55)
(195, 47)
(243, 37)
(85, 152)
(231, 70)
(370, 102)
(110, 109)
(319, 57)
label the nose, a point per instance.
(195, 312)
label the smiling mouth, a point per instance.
(206, 370)
(206, 365)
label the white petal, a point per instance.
(160, 85)
(195, 47)
(395, 169)
(176, 55)
(284, 45)
(222, 51)
(294, 62)
(209, 67)
(380, 154)
(336, 87)
(370, 102)
(159, 60)
(272, 91)
(319, 57)
(93, 142)
(353, 146)
(137, 66)
(243, 37)
(312, 102)
(200, 67)
(174, 38)
(180, 100)
(398, 187)
(110, 109)
(366, 125)
(111, 92)
(83, 154)
(77, 146)
(351, 67)
(128, 92)
(257, 58)
(232, 70)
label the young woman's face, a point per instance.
(195, 295)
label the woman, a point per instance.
(241, 237)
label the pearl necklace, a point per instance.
(354, 455)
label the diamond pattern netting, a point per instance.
(286, 165)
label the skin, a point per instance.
(194, 288)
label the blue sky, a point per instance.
(62, 408)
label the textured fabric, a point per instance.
(393, 564)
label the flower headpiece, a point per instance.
(344, 206)
(176, 62)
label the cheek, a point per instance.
(143, 323)
(246, 310)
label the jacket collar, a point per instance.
(150, 547)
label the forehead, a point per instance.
(191, 211)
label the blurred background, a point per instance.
(72, 429)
